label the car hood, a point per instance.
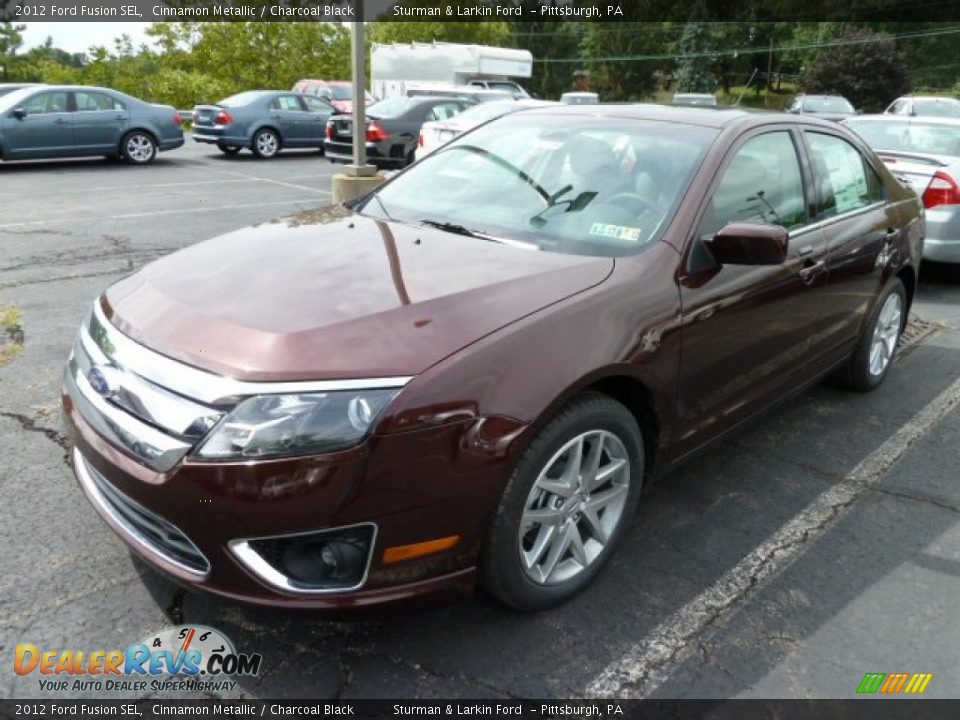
(315, 298)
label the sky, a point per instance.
(80, 36)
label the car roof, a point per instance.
(908, 119)
(929, 98)
(708, 117)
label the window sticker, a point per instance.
(618, 232)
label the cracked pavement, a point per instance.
(873, 589)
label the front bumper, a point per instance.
(185, 516)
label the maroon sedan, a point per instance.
(470, 375)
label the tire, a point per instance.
(266, 144)
(873, 356)
(524, 563)
(229, 149)
(138, 148)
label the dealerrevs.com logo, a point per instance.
(187, 658)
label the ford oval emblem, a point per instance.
(98, 381)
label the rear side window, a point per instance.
(844, 180)
(762, 184)
(316, 104)
(93, 101)
(286, 102)
(444, 111)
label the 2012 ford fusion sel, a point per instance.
(471, 374)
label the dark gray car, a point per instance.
(264, 121)
(50, 121)
(393, 128)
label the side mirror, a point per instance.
(19, 113)
(749, 244)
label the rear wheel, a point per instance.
(229, 149)
(873, 356)
(138, 148)
(266, 144)
(566, 506)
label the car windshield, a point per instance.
(568, 184)
(918, 137)
(394, 107)
(937, 108)
(241, 99)
(827, 105)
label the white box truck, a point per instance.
(396, 68)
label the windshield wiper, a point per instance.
(459, 230)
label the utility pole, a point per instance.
(766, 95)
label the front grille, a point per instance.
(164, 537)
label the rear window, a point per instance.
(919, 137)
(487, 111)
(240, 99)
(827, 105)
(395, 107)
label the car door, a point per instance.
(99, 121)
(290, 118)
(318, 112)
(45, 129)
(746, 329)
(861, 231)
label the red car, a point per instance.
(472, 373)
(338, 93)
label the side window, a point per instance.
(844, 179)
(286, 102)
(93, 101)
(317, 105)
(51, 102)
(762, 184)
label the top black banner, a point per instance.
(475, 10)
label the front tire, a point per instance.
(873, 356)
(566, 506)
(138, 148)
(266, 144)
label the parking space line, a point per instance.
(127, 216)
(183, 183)
(272, 181)
(647, 664)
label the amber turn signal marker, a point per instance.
(406, 552)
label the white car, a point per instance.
(435, 133)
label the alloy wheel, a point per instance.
(139, 148)
(886, 332)
(267, 144)
(574, 507)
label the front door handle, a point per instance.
(61, 121)
(810, 270)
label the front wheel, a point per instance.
(138, 148)
(266, 144)
(566, 506)
(873, 356)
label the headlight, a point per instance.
(279, 425)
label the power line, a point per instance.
(754, 50)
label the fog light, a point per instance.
(314, 562)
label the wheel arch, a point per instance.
(139, 128)
(267, 126)
(908, 276)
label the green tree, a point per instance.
(870, 73)
(695, 68)
(10, 42)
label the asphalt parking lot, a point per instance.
(819, 544)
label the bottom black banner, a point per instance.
(875, 709)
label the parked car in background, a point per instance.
(263, 121)
(580, 98)
(50, 121)
(472, 374)
(925, 153)
(338, 93)
(924, 106)
(436, 133)
(695, 99)
(828, 107)
(515, 90)
(466, 92)
(6, 88)
(393, 128)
